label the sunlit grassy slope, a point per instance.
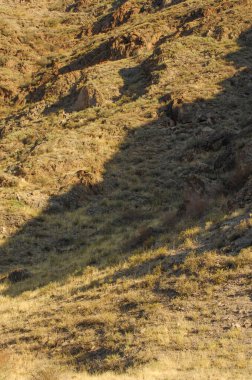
(125, 182)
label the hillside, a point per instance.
(126, 189)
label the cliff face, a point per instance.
(125, 182)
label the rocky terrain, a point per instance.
(126, 189)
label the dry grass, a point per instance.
(135, 274)
(164, 369)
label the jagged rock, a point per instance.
(127, 45)
(124, 13)
(130, 44)
(89, 96)
(118, 17)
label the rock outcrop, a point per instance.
(89, 96)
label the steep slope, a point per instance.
(125, 180)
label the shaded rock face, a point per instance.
(124, 13)
(88, 96)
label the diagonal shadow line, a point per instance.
(139, 183)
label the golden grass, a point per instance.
(190, 366)
(122, 286)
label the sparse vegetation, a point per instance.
(125, 182)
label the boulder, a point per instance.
(89, 96)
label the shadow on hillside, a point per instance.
(101, 224)
(95, 56)
(135, 83)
